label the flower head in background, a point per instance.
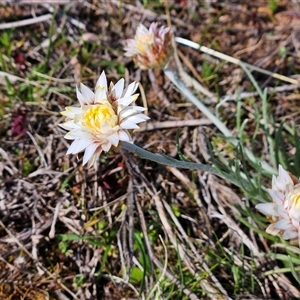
(151, 48)
(104, 119)
(284, 211)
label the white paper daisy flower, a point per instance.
(284, 211)
(105, 118)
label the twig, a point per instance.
(120, 242)
(25, 22)
(37, 263)
(55, 216)
(191, 82)
(6, 157)
(43, 161)
(233, 60)
(13, 79)
(159, 93)
(173, 124)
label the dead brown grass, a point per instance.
(44, 193)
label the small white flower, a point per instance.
(284, 211)
(150, 48)
(103, 120)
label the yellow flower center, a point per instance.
(295, 197)
(143, 41)
(99, 116)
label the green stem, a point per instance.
(172, 162)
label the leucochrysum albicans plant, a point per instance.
(105, 118)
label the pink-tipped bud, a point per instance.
(150, 49)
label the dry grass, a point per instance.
(133, 229)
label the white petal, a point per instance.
(128, 111)
(106, 147)
(79, 145)
(137, 108)
(94, 158)
(267, 209)
(141, 31)
(295, 213)
(290, 234)
(100, 96)
(125, 136)
(69, 125)
(126, 100)
(118, 88)
(74, 109)
(283, 224)
(78, 134)
(128, 125)
(277, 196)
(166, 30)
(131, 48)
(280, 182)
(102, 82)
(153, 27)
(130, 89)
(71, 111)
(282, 212)
(114, 139)
(80, 97)
(138, 118)
(87, 94)
(89, 152)
(69, 136)
(284, 175)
